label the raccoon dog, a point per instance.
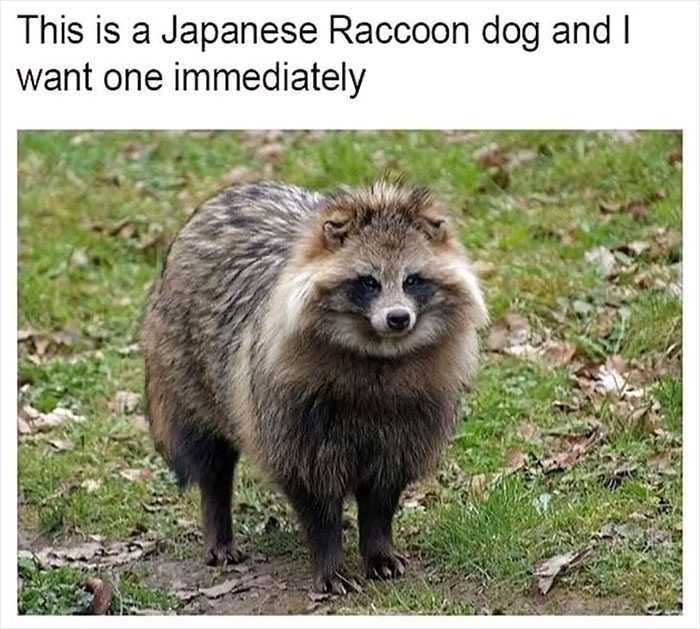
(327, 336)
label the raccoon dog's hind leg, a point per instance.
(210, 461)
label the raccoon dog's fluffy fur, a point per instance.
(327, 336)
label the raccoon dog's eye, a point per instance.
(369, 282)
(413, 280)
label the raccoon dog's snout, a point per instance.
(398, 319)
(394, 321)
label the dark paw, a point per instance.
(223, 554)
(340, 581)
(387, 564)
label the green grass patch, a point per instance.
(91, 208)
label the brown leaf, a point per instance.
(102, 595)
(241, 174)
(125, 228)
(257, 137)
(154, 238)
(124, 402)
(527, 431)
(490, 156)
(661, 463)
(634, 248)
(622, 136)
(577, 444)
(637, 208)
(186, 595)
(270, 152)
(61, 445)
(94, 553)
(82, 552)
(514, 459)
(614, 376)
(140, 422)
(90, 485)
(675, 156)
(23, 426)
(226, 587)
(510, 330)
(521, 156)
(37, 421)
(603, 258)
(548, 569)
(480, 483)
(136, 474)
(25, 335)
(317, 597)
(556, 353)
(610, 207)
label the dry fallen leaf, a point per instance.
(95, 553)
(675, 156)
(241, 174)
(229, 586)
(514, 459)
(521, 156)
(480, 483)
(186, 595)
(81, 552)
(610, 207)
(23, 427)
(32, 420)
(637, 208)
(548, 569)
(270, 152)
(124, 228)
(257, 137)
(603, 258)
(634, 248)
(490, 156)
(90, 485)
(623, 136)
(555, 353)
(154, 238)
(527, 431)
(101, 595)
(140, 421)
(510, 330)
(124, 402)
(661, 463)
(61, 445)
(577, 444)
(613, 376)
(136, 474)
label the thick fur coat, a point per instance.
(327, 336)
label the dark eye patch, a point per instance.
(362, 290)
(419, 287)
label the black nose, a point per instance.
(398, 319)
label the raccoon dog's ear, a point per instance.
(335, 230)
(433, 223)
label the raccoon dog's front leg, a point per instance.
(376, 508)
(321, 518)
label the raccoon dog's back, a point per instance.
(218, 274)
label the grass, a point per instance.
(83, 282)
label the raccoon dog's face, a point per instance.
(383, 275)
